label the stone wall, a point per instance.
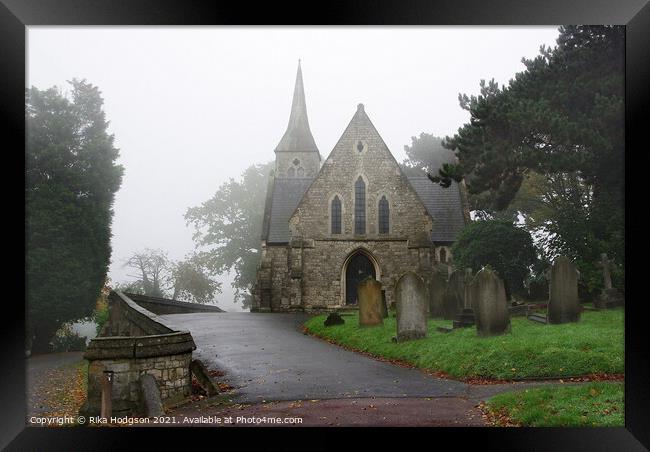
(323, 271)
(308, 161)
(127, 318)
(382, 176)
(308, 273)
(171, 372)
(135, 342)
(162, 306)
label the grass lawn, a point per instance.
(592, 346)
(590, 405)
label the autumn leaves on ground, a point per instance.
(58, 391)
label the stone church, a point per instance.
(330, 224)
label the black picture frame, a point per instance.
(16, 15)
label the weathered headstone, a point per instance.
(454, 295)
(563, 304)
(467, 296)
(437, 287)
(412, 307)
(334, 319)
(384, 306)
(488, 296)
(369, 295)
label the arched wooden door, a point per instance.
(359, 268)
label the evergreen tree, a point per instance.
(506, 248)
(426, 155)
(71, 181)
(561, 118)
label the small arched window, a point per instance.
(384, 215)
(443, 255)
(360, 206)
(291, 172)
(336, 215)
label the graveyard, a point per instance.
(464, 328)
(593, 346)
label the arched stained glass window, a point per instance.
(360, 206)
(291, 172)
(336, 215)
(383, 215)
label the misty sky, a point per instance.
(191, 107)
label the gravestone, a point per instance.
(437, 287)
(563, 304)
(610, 296)
(384, 306)
(412, 307)
(467, 300)
(334, 319)
(369, 296)
(488, 296)
(454, 295)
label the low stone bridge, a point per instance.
(136, 342)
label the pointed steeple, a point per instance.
(298, 136)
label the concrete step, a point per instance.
(540, 318)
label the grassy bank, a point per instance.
(592, 346)
(589, 405)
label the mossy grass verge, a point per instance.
(597, 404)
(594, 346)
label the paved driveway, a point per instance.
(267, 357)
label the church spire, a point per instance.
(298, 136)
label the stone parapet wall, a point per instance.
(171, 372)
(162, 306)
(135, 342)
(127, 318)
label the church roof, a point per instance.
(284, 200)
(443, 204)
(298, 136)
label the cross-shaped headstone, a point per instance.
(606, 265)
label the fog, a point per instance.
(191, 107)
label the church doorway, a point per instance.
(358, 267)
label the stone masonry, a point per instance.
(304, 267)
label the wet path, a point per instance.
(266, 357)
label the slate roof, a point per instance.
(284, 200)
(443, 204)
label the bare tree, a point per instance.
(152, 266)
